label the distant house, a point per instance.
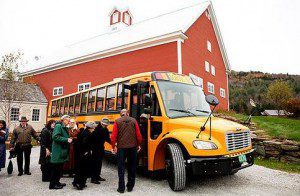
(275, 113)
(21, 99)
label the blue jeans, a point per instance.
(131, 155)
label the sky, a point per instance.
(259, 35)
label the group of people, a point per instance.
(64, 148)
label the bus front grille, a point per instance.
(235, 141)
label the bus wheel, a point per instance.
(175, 167)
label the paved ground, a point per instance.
(255, 180)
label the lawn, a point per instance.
(272, 164)
(278, 127)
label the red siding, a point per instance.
(195, 53)
(158, 58)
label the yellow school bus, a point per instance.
(182, 135)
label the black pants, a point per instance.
(83, 171)
(46, 172)
(26, 150)
(57, 169)
(131, 155)
(97, 158)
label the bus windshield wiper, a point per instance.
(207, 112)
(183, 111)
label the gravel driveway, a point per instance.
(255, 180)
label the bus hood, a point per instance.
(218, 125)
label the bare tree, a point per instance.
(11, 93)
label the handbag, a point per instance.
(10, 167)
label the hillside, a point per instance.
(246, 85)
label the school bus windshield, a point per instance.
(183, 100)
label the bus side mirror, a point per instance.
(212, 100)
(148, 101)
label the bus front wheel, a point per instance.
(175, 167)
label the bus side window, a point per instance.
(77, 101)
(58, 107)
(62, 106)
(119, 101)
(100, 99)
(71, 105)
(66, 105)
(91, 102)
(53, 108)
(155, 104)
(110, 98)
(83, 103)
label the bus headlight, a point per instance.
(202, 145)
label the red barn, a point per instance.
(186, 41)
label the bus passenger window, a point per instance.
(119, 102)
(53, 108)
(100, 99)
(91, 104)
(71, 105)
(58, 107)
(77, 101)
(110, 97)
(66, 105)
(83, 103)
(62, 106)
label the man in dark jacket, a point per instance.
(84, 155)
(126, 133)
(21, 141)
(45, 150)
(99, 137)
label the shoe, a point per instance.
(78, 187)
(55, 187)
(102, 179)
(27, 173)
(95, 182)
(20, 174)
(129, 189)
(62, 184)
(120, 191)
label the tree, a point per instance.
(279, 93)
(11, 94)
(293, 106)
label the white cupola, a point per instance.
(120, 19)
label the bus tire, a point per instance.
(175, 167)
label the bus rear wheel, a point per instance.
(175, 167)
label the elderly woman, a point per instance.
(60, 151)
(45, 151)
(73, 132)
(84, 153)
(3, 138)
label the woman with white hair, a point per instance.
(73, 130)
(60, 151)
(84, 155)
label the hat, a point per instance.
(23, 119)
(65, 116)
(123, 112)
(90, 124)
(144, 116)
(105, 121)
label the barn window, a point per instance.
(222, 92)
(58, 91)
(208, 46)
(84, 86)
(211, 87)
(213, 70)
(14, 114)
(127, 18)
(115, 17)
(36, 115)
(206, 66)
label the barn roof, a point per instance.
(153, 31)
(20, 91)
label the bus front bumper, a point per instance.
(219, 165)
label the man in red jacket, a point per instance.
(126, 133)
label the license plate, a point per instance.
(242, 158)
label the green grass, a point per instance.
(277, 127)
(272, 164)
